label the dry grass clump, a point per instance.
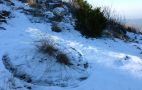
(47, 46)
(132, 29)
(63, 59)
(56, 28)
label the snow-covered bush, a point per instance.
(59, 11)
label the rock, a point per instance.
(59, 11)
(49, 14)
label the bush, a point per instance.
(63, 59)
(56, 18)
(114, 22)
(93, 22)
(46, 47)
(56, 28)
(4, 15)
(90, 22)
(132, 29)
(35, 12)
(115, 27)
(64, 56)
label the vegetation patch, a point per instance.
(63, 59)
(56, 18)
(56, 28)
(90, 21)
(46, 47)
(93, 22)
(4, 16)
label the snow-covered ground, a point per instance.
(113, 63)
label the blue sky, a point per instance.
(127, 8)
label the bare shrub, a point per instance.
(132, 29)
(116, 26)
(114, 21)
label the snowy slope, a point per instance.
(113, 64)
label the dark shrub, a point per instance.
(48, 47)
(56, 28)
(4, 14)
(132, 29)
(1, 2)
(56, 18)
(115, 25)
(116, 29)
(36, 13)
(90, 22)
(63, 59)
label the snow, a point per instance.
(59, 11)
(113, 63)
(49, 14)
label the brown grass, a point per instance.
(63, 59)
(46, 47)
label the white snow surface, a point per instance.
(113, 63)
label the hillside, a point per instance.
(74, 63)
